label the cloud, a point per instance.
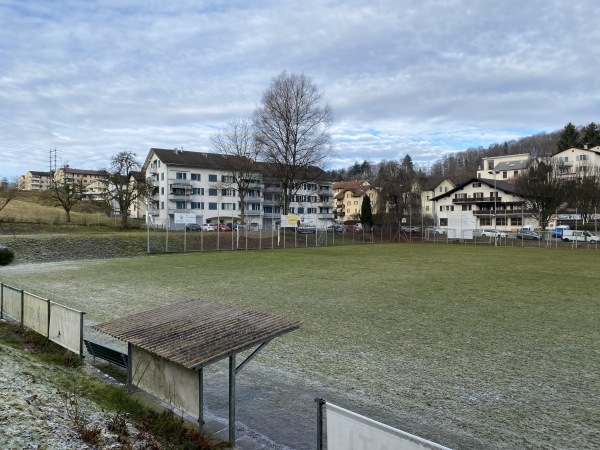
(427, 78)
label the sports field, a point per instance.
(472, 347)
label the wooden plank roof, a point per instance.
(197, 332)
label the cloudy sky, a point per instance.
(93, 78)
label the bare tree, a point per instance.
(395, 182)
(8, 192)
(236, 144)
(544, 190)
(118, 188)
(292, 132)
(64, 194)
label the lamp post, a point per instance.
(495, 172)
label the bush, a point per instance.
(6, 256)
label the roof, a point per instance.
(503, 186)
(512, 165)
(197, 332)
(350, 184)
(190, 159)
(40, 174)
(595, 150)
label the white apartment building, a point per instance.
(481, 203)
(504, 168)
(578, 161)
(201, 184)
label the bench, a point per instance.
(108, 354)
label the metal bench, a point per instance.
(108, 354)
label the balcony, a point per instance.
(153, 169)
(180, 183)
(253, 212)
(325, 216)
(476, 199)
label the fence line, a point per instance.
(59, 323)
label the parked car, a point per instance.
(223, 227)
(580, 236)
(435, 230)
(192, 227)
(558, 231)
(336, 227)
(209, 227)
(306, 230)
(236, 226)
(353, 229)
(493, 233)
(531, 235)
(410, 229)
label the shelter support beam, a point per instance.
(251, 356)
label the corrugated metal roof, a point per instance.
(197, 332)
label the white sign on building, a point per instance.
(185, 218)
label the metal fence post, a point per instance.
(320, 405)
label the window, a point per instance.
(516, 221)
(212, 206)
(465, 207)
(195, 177)
(180, 205)
(300, 210)
(427, 208)
(443, 222)
(504, 174)
(268, 209)
(212, 178)
(229, 192)
(461, 195)
(485, 221)
(212, 192)
(311, 210)
(501, 221)
(582, 157)
(516, 173)
(227, 178)
(162, 205)
(228, 206)
(162, 190)
(162, 176)
(478, 195)
(446, 189)
(197, 205)
(292, 210)
(181, 175)
(197, 191)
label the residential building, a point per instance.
(35, 181)
(506, 167)
(482, 203)
(76, 176)
(429, 187)
(201, 184)
(348, 198)
(578, 162)
(137, 209)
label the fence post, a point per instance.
(320, 404)
(22, 307)
(1, 300)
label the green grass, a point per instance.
(482, 347)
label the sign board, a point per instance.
(307, 220)
(185, 218)
(289, 221)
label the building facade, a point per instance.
(201, 184)
(348, 198)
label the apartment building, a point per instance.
(482, 203)
(503, 168)
(348, 197)
(201, 184)
(578, 162)
(35, 181)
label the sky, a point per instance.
(424, 78)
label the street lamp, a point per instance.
(495, 172)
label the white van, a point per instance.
(580, 236)
(527, 228)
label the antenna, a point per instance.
(52, 153)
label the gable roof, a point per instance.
(350, 184)
(503, 186)
(512, 165)
(595, 150)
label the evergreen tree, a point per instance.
(407, 164)
(590, 135)
(569, 138)
(366, 214)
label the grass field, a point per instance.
(472, 347)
